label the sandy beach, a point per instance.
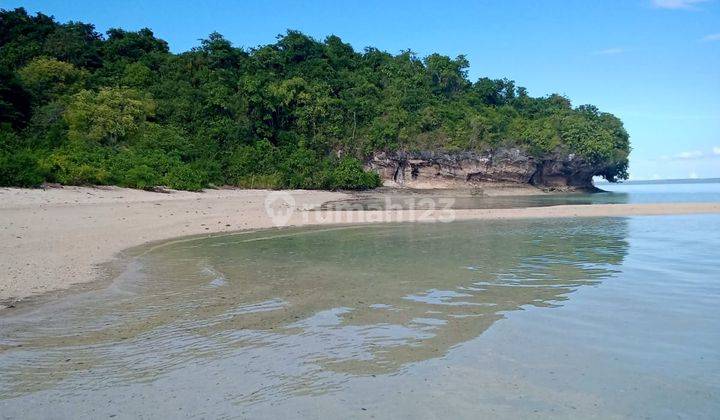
(51, 239)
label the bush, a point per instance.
(141, 176)
(186, 177)
(82, 174)
(348, 173)
(78, 165)
(303, 169)
(268, 182)
(20, 169)
(248, 161)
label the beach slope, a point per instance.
(51, 239)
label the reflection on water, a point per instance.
(466, 199)
(463, 199)
(354, 300)
(243, 324)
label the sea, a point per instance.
(563, 318)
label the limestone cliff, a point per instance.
(435, 169)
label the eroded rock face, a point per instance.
(428, 169)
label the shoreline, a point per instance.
(53, 239)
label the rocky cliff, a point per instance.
(514, 166)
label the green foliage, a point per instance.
(137, 75)
(447, 76)
(14, 100)
(47, 78)
(303, 168)
(78, 107)
(78, 164)
(20, 168)
(186, 177)
(107, 116)
(140, 176)
(348, 173)
(76, 43)
(257, 159)
(269, 182)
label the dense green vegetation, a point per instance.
(77, 107)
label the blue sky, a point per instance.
(654, 63)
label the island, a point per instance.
(81, 108)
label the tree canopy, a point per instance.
(79, 107)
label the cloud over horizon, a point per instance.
(610, 51)
(678, 4)
(693, 155)
(711, 37)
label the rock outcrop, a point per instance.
(511, 166)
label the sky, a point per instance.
(653, 63)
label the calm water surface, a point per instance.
(607, 317)
(699, 191)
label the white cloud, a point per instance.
(711, 37)
(693, 154)
(677, 4)
(610, 51)
(693, 175)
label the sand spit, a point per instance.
(51, 239)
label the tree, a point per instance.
(107, 116)
(76, 43)
(47, 78)
(132, 46)
(14, 101)
(447, 76)
(77, 107)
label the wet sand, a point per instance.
(52, 239)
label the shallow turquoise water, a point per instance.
(575, 318)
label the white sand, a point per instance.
(51, 239)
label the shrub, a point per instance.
(141, 176)
(348, 173)
(247, 161)
(20, 169)
(186, 177)
(78, 165)
(302, 169)
(269, 182)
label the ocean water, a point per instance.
(684, 191)
(681, 191)
(568, 318)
